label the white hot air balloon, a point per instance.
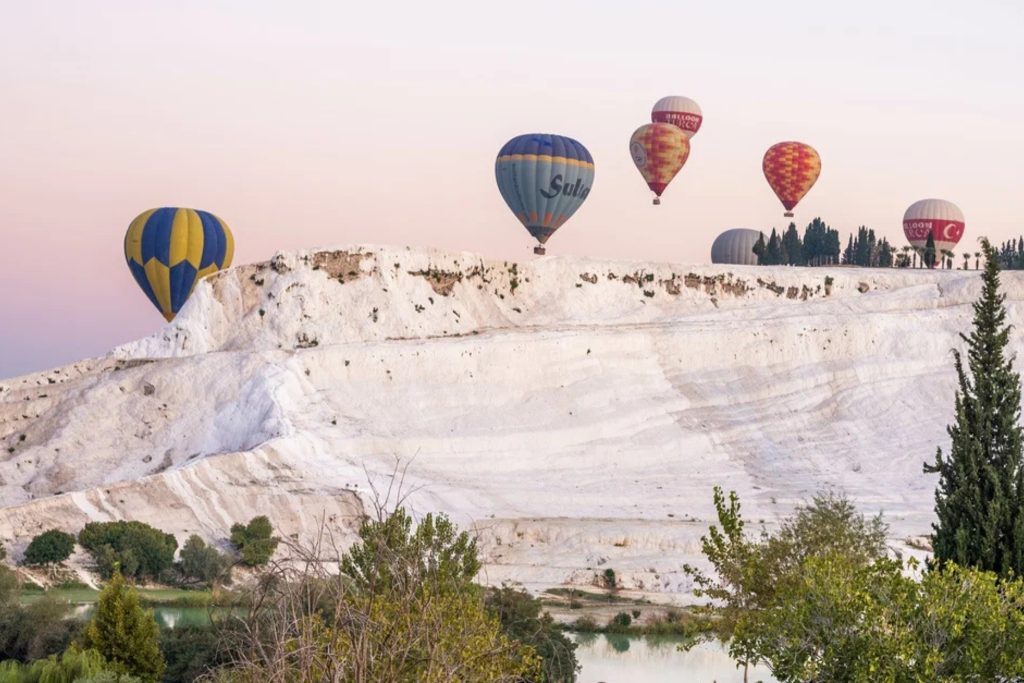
(736, 246)
(679, 111)
(942, 219)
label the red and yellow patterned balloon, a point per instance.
(791, 169)
(659, 150)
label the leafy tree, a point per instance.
(521, 620)
(403, 610)
(255, 541)
(36, 630)
(137, 549)
(49, 547)
(838, 621)
(125, 634)
(979, 500)
(750, 571)
(201, 563)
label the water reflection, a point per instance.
(616, 658)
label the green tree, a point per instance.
(761, 250)
(201, 563)
(979, 499)
(930, 256)
(255, 541)
(792, 246)
(49, 547)
(137, 549)
(125, 634)
(521, 619)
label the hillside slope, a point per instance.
(576, 412)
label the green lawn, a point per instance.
(150, 596)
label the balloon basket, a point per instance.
(788, 214)
(539, 250)
(657, 201)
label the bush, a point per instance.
(200, 563)
(80, 666)
(255, 541)
(137, 549)
(620, 621)
(520, 617)
(190, 652)
(49, 547)
(124, 633)
(37, 630)
(609, 578)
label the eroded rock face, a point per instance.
(576, 413)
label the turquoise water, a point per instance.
(168, 617)
(656, 659)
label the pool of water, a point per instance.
(168, 617)
(656, 659)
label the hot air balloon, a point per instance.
(168, 250)
(736, 246)
(544, 179)
(659, 150)
(942, 219)
(791, 169)
(681, 112)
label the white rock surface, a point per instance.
(576, 412)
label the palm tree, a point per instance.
(947, 259)
(977, 259)
(967, 259)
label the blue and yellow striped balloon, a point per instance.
(168, 250)
(544, 179)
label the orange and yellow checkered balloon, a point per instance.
(659, 150)
(791, 169)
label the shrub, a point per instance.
(139, 550)
(124, 633)
(201, 563)
(520, 617)
(620, 622)
(609, 578)
(80, 666)
(190, 651)
(49, 547)
(255, 541)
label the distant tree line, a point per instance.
(821, 246)
(1010, 255)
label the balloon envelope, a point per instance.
(942, 219)
(681, 112)
(544, 179)
(169, 249)
(736, 246)
(659, 150)
(791, 169)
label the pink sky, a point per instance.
(315, 124)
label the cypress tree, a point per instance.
(979, 500)
(761, 250)
(793, 247)
(929, 252)
(125, 634)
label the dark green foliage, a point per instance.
(255, 541)
(73, 666)
(137, 549)
(49, 547)
(792, 246)
(3, 552)
(190, 651)
(930, 256)
(521, 619)
(124, 633)
(979, 499)
(760, 250)
(610, 580)
(37, 630)
(434, 550)
(820, 245)
(201, 564)
(621, 621)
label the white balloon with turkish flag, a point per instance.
(942, 219)
(681, 112)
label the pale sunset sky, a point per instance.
(306, 124)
